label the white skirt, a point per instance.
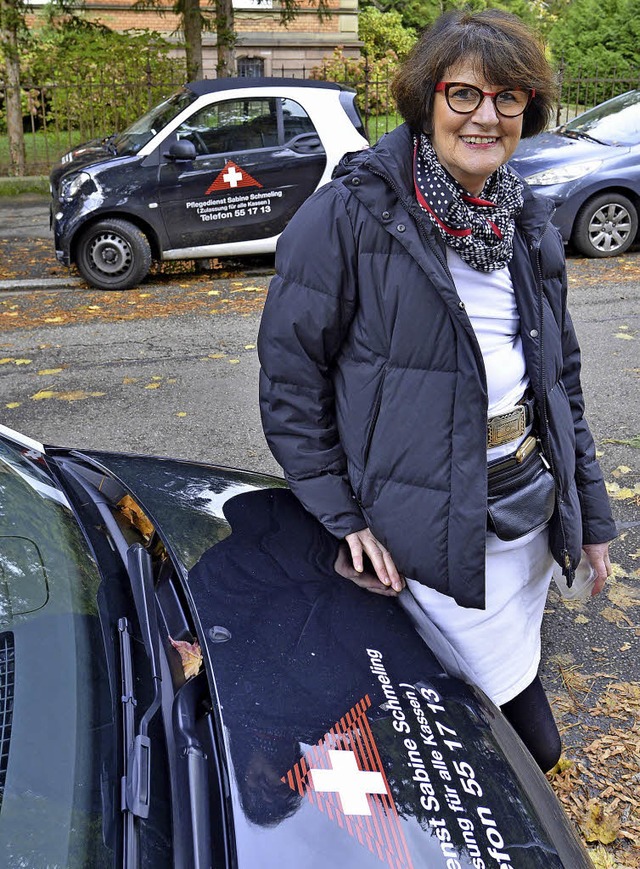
(497, 648)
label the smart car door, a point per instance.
(257, 159)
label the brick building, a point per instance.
(264, 46)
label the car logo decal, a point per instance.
(342, 776)
(230, 178)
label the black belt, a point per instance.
(508, 426)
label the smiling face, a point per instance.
(471, 147)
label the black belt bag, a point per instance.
(521, 492)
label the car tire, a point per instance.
(606, 225)
(113, 255)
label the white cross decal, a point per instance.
(349, 782)
(232, 176)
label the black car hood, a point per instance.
(322, 685)
(88, 154)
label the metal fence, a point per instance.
(58, 116)
(580, 91)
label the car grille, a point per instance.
(7, 684)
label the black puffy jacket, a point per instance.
(373, 390)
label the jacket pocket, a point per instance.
(375, 413)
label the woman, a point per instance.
(415, 335)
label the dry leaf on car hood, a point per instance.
(135, 515)
(190, 656)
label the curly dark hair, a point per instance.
(506, 52)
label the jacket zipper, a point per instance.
(566, 567)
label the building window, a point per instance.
(250, 67)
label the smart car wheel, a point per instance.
(113, 255)
(606, 226)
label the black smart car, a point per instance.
(217, 169)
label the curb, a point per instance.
(39, 283)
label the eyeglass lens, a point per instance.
(466, 98)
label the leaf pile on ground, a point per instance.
(190, 295)
(598, 779)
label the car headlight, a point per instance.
(562, 174)
(72, 186)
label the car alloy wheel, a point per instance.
(606, 226)
(113, 255)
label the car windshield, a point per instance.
(58, 729)
(145, 128)
(616, 122)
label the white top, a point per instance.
(490, 304)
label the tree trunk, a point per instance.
(192, 24)
(226, 38)
(9, 19)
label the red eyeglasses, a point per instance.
(466, 98)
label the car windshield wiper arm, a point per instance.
(137, 561)
(578, 134)
(137, 784)
(130, 832)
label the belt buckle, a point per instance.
(505, 427)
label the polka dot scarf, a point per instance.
(480, 229)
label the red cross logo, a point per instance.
(343, 777)
(231, 178)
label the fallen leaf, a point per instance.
(181, 413)
(136, 516)
(601, 858)
(598, 825)
(190, 656)
(630, 442)
(249, 346)
(622, 494)
(12, 404)
(233, 361)
(153, 385)
(44, 393)
(625, 336)
(615, 616)
(50, 370)
(22, 361)
(77, 395)
(620, 470)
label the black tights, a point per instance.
(530, 716)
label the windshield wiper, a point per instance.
(135, 794)
(137, 780)
(579, 134)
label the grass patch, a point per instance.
(378, 125)
(28, 184)
(41, 150)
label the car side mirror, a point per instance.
(183, 149)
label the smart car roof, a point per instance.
(211, 85)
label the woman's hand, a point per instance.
(386, 579)
(598, 555)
